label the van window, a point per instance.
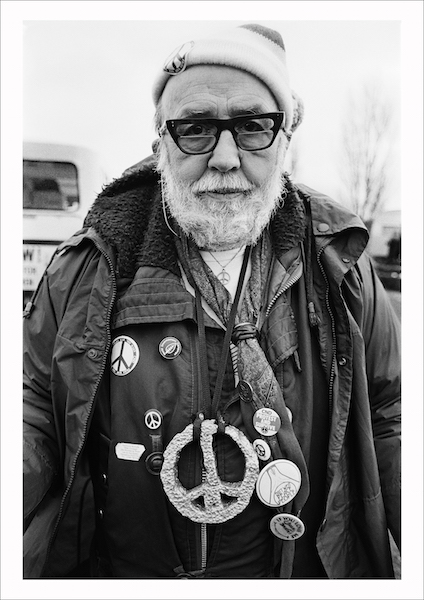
(50, 185)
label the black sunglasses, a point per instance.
(250, 132)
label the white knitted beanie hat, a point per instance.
(252, 48)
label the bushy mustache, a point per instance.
(222, 183)
(210, 182)
(215, 223)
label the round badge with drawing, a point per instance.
(170, 348)
(177, 60)
(262, 449)
(278, 483)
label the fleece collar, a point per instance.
(128, 215)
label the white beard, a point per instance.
(216, 224)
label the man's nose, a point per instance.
(226, 155)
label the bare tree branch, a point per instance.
(366, 157)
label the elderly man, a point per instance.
(211, 364)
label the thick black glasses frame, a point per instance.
(226, 124)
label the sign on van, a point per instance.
(36, 259)
(60, 182)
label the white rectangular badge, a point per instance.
(127, 451)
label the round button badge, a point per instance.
(266, 421)
(287, 527)
(245, 391)
(124, 356)
(262, 449)
(154, 462)
(153, 419)
(170, 348)
(278, 483)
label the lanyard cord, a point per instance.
(204, 393)
(204, 399)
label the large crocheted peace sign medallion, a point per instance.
(222, 500)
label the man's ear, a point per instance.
(298, 111)
(155, 145)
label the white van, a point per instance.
(60, 183)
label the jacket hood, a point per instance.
(128, 215)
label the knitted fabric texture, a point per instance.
(253, 48)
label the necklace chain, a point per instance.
(231, 259)
(224, 277)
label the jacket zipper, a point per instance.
(333, 331)
(203, 536)
(291, 281)
(102, 370)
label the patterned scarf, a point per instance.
(253, 366)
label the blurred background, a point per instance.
(87, 84)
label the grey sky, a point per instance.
(89, 83)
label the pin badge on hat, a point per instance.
(177, 61)
(262, 449)
(278, 483)
(266, 421)
(170, 348)
(287, 527)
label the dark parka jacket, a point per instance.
(67, 341)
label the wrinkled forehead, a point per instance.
(215, 91)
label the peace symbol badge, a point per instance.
(153, 419)
(125, 355)
(222, 500)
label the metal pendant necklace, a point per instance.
(214, 501)
(224, 277)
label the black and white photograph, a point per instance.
(215, 298)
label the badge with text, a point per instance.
(266, 421)
(278, 483)
(126, 451)
(125, 355)
(287, 527)
(262, 449)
